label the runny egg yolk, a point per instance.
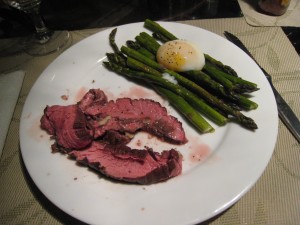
(180, 56)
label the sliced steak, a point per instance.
(95, 132)
(116, 138)
(130, 165)
(127, 115)
(68, 125)
(94, 97)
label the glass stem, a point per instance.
(42, 32)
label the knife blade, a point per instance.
(285, 112)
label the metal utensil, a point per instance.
(286, 114)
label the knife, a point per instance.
(285, 113)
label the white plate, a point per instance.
(230, 160)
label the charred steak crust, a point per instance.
(94, 132)
(132, 115)
(131, 165)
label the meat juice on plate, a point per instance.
(194, 152)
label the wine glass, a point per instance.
(45, 41)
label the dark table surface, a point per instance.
(79, 14)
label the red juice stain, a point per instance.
(138, 92)
(198, 150)
(80, 93)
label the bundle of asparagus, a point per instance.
(216, 92)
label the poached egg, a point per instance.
(180, 56)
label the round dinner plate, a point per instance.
(218, 168)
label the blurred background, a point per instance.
(85, 14)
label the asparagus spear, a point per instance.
(160, 37)
(136, 55)
(112, 42)
(201, 77)
(137, 65)
(151, 25)
(211, 99)
(230, 82)
(246, 85)
(194, 100)
(136, 46)
(186, 109)
(116, 58)
(220, 65)
(148, 42)
(230, 74)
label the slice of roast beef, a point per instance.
(68, 125)
(127, 115)
(116, 138)
(130, 165)
(94, 97)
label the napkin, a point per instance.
(10, 86)
(291, 18)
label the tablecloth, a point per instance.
(274, 199)
(8, 99)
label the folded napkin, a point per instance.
(10, 86)
(290, 19)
